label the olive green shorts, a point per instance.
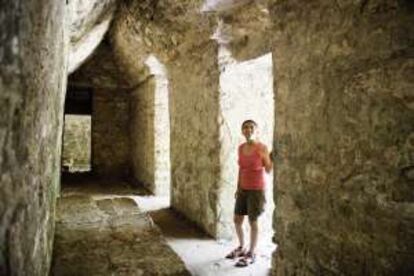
(250, 203)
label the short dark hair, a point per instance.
(249, 121)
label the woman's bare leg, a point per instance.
(238, 224)
(254, 235)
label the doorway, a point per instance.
(77, 131)
(246, 90)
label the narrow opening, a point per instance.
(77, 142)
(246, 90)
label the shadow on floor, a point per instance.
(88, 183)
(175, 226)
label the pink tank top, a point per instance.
(251, 169)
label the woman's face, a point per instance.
(248, 130)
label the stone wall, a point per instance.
(179, 35)
(344, 129)
(195, 164)
(32, 85)
(150, 131)
(142, 134)
(101, 70)
(87, 22)
(162, 135)
(245, 29)
(110, 132)
(76, 153)
(246, 92)
(110, 110)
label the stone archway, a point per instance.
(150, 131)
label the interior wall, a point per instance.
(344, 129)
(87, 24)
(195, 164)
(142, 126)
(246, 92)
(32, 91)
(180, 36)
(110, 132)
(162, 131)
(150, 131)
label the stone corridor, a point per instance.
(112, 228)
(153, 93)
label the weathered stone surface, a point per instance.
(344, 119)
(32, 85)
(179, 36)
(101, 70)
(222, 5)
(166, 29)
(195, 163)
(110, 133)
(109, 237)
(88, 21)
(150, 131)
(76, 153)
(246, 92)
(245, 30)
(110, 111)
(142, 106)
(343, 81)
(162, 128)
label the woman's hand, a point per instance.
(272, 155)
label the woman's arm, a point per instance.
(267, 162)
(238, 185)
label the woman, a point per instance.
(254, 160)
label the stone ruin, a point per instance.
(343, 119)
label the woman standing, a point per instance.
(254, 160)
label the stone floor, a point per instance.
(203, 255)
(106, 227)
(109, 236)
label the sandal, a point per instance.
(236, 253)
(247, 259)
